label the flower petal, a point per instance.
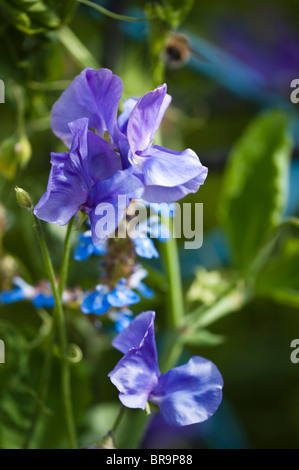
(42, 300)
(162, 194)
(164, 167)
(136, 374)
(94, 94)
(69, 180)
(83, 251)
(190, 393)
(95, 303)
(145, 248)
(103, 161)
(9, 297)
(123, 118)
(145, 291)
(122, 296)
(146, 117)
(132, 336)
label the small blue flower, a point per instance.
(41, 297)
(135, 282)
(145, 248)
(23, 291)
(145, 291)
(187, 394)
(42, 300)
(9, 297)
(121, 319)
(121, 295)
(86, 247)
(96, 302)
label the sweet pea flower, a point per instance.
(86, 176)
(95, 94)
(187, 394)
(167, 175)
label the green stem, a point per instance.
(66, 257)
(109, 13)
(43, 388)
(118, 419)
(60, 322)
(173, 271)
(46, 370)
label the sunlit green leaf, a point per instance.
(256, 185)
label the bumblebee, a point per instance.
(177, 51)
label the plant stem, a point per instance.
(118, 419)
(66, 257)
(109, 13)
(60, 322)
(172, 268)
(42, 388)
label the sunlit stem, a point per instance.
(112, 15)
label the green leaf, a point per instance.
(279, 279)
(202, 338)
(256, 185)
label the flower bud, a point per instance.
(23, 198)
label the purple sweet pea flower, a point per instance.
(87, 176)
(186, 394)
(166, 174)
(95, 94)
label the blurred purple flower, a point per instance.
(186, 394)
(267, 42)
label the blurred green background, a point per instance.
(243, 59)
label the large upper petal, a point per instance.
(164, 167)
(93, 94)
(136, 374)
(146, 117)
(190, 393)
(132, 336)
